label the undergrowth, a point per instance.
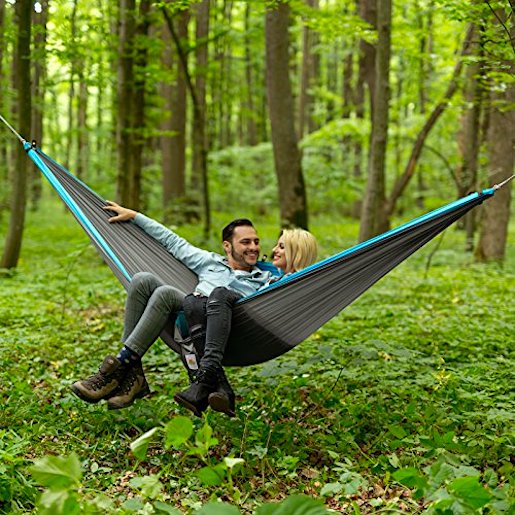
(402, 403)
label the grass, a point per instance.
(402, 403)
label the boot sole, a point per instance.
(188, 405)
(142, 393)
(83, 396)
(219, 402)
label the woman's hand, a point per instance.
(123, 214)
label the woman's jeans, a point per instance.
(218, 326)
(150, 303)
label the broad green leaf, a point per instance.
(470, 491)
(149, 486)
(218, 508)
(177, 431)
(140, 446)
(330, 489)
(57, 472)
(232, 463)
(295, 504)
(162, 507)
(211, 476)
(58, 502)
(397, 431)
(203, 438)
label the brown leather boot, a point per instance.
(102, 384)
(134, 386)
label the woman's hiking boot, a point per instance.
(223, 400)
(102, 384)
(133, 386)
(195, 398)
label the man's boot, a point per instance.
(134, 386)
(100, 385)
(195, 398)
(223, 399)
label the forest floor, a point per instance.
(402, 403)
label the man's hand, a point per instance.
(123, 214)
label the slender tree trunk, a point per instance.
(292, 194)
(501, 159)
(21, 74)
(201, 55)
(71, 90)
(3, 108)
(125, 118)
(39, 64)
(199, 122)
(469, 139)
(402, 182)
(373, 220)
(250, 115)
(82, 129)
(308, 76)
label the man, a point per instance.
(150, 302)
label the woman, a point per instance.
(295, 250)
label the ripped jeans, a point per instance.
(218, 325)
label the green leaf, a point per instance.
(212, 476)
(295, 504)
(140, 446)
(397, 431)
(330, 489)
(232, 463)
(203, 438)
(470, 491)
(218, 508)
(166, 508)
(149, 486)
(178, 431)
(57, 472)
(58, 502)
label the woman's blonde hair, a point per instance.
(300, 249)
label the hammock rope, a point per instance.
(275, 319)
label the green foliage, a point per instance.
(402, 403)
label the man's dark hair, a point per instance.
(228, 230)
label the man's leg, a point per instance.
(148, 308)
(219, 317)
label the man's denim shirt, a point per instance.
(212, 269)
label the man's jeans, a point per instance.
(150, 303)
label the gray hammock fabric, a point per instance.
(272, 321)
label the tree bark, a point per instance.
(71, 89)
(201, 56)
(250, 114)
(495, 212)
(21, 74)
(372, 217)
(82, 129)
(39, 65)
(402, 182)
(469, 139)
(292, 194)
(198, 120)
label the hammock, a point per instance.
(275, 319)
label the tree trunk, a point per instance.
(21, 74)
(402, 182)
(39, 64)
(3, 108)
(495, 212)
(308, 77)
(469, 139)
(177, 141)
(201, 55)
(292, 194)
(198, 120)
(125, 116)
(367, 10)
(82, 129)
(71, 90)
(373, 220)
(250, 114)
